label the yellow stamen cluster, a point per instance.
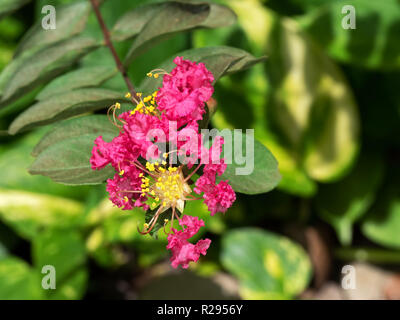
(165, 185)
(147, 105)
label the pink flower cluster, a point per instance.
(182, 99)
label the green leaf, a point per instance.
(173, 17)
(37, 66)
(9, 6)
(70, 20)
(130, 24)
(219, 60)
(249, 171)
(372, 44)
(63, 106)
(343, 203)
(298, 102)
(75, 127)
(133, 21)
(27, 213)
(65, 251)
(68, 161)
(81, 78)
(18, 281)
(268, 266)
(382, 223)
(16, 159)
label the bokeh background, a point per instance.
(326, 102)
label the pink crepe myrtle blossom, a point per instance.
(158, 183)
(185, 91)
(183, 251)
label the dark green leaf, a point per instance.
(173, 17)
(68, 161)
(133, 21)
(81, 78)
(130, 24)
(63, 106)
(268, 266)
(37, 66)
(219, 60)
(95, 124)
(70, 20)
(16, 159)
(261, 173)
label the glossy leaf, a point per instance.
(81, 78)
(63, 106)
(268, 266)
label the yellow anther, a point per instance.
(153, 205)
(126, 199)
(141, 174)
(149, 74)
(128, 95)
(157, 199)
(139, 94)
(145, 225)
(166, 220)
(117, 105)
(156, 75)
(164, 162)
(121, 172)
(164, 204)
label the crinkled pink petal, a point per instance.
(120, 187)
(183, 251)
(185, 91)
(220, 199)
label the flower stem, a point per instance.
(107, 39)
